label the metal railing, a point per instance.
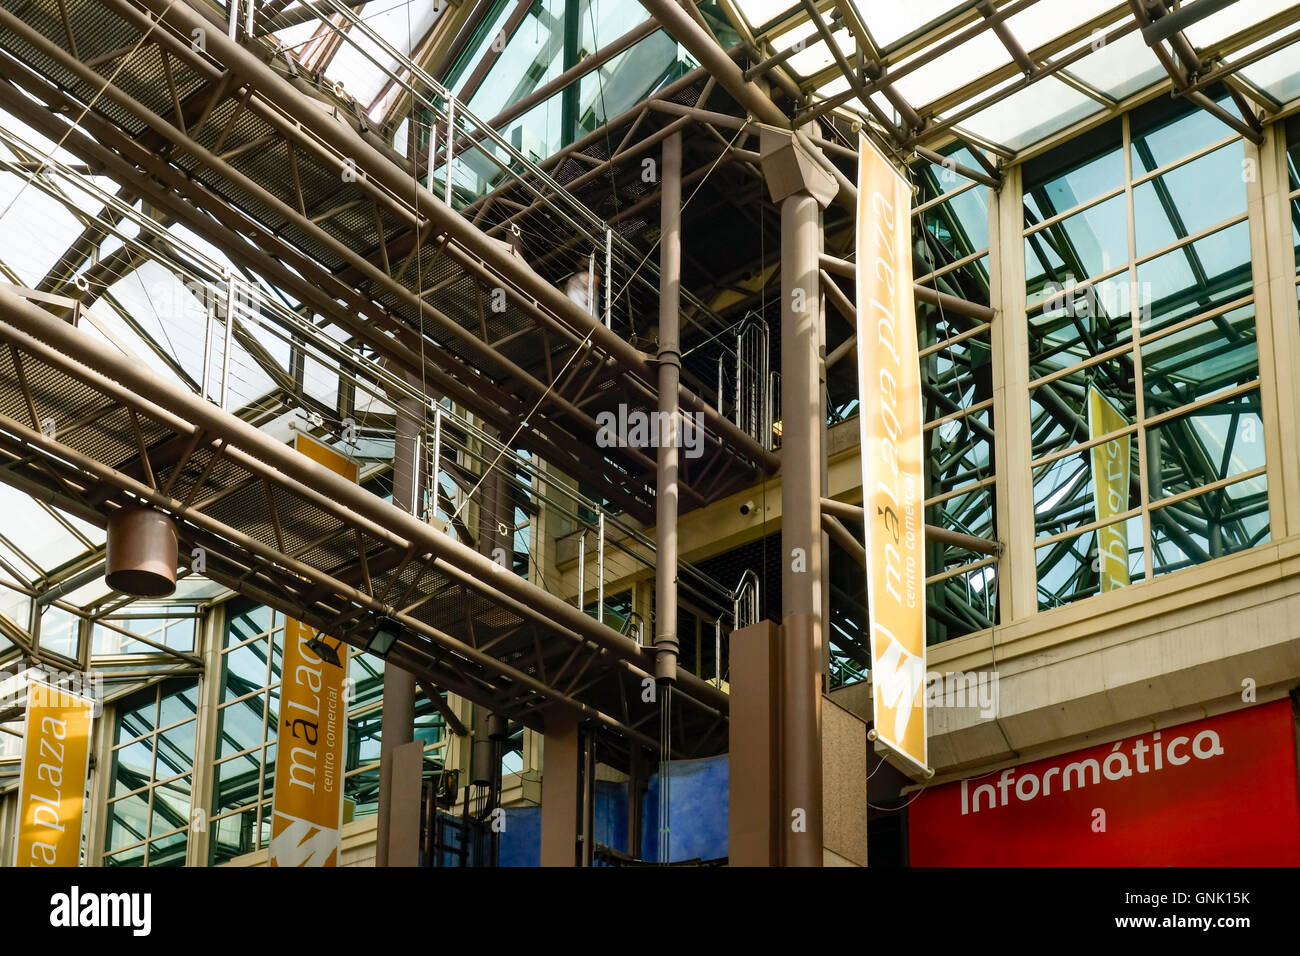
(470, 149)
(233, 341)
(753, 387)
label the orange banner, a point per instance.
(889, 385)
(310, 756)
(51, 796)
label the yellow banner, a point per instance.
(51, 796)
(307, 807)
(889, 384)
(1110, 481)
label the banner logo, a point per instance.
(310, 758)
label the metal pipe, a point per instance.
(717, 650)
(397, 722)
(600, 566)
(207, 345)
(60, 344)
(375, 164)
(230, 327)
(844, 538)
(956, 539)
(436, 465)
(1008, 38)
(947, 163)
(609, 277)
(588, 797)
(451, 145)
(801, 541)
(670, 370)
(691, 35)
(943, 300)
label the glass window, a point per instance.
(1065, 178)
(1148, 451)
(1078, 247)
(153, 763)
(950, 243)
(1173, 205)
(173, 627)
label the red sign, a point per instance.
(1215, 792)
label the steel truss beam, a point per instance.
(285, 531)
(570, 330)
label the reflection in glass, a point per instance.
(1059, 409)
(1078, 247)
(1065, 493)
(1177, 204)
(1071, 568)
(1210, 525)
(1209, 444)
(1195, 277)
(1194, 363)
(1165, 130)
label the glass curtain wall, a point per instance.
(149, 803)
(1147, 441)
(950, 254)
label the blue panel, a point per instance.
(697, 816)
(521, 840)
(611, 815)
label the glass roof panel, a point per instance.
(88, 593)
(814, 57)
(21, 565)
(1031, 114)
(15, 606)
(1232, 19)
(1120, 68)
(890, 22)
(1044, 22)
(35, 229)
(954, 69)
(297, 35)
(38, 535)
(1117, 70)
(760, 12)
(1278, 74)
(402, 25)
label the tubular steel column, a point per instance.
(670, 371)
(801, 536)
(397, 726)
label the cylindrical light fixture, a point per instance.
(141, 553)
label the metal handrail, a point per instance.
(595, 231)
